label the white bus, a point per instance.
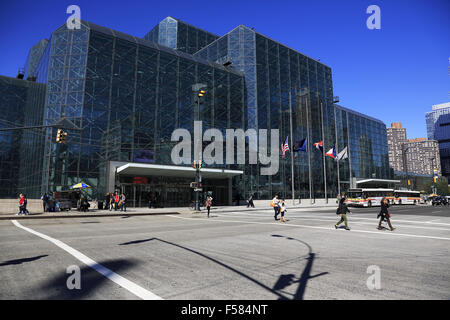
(406, 197)
(368, 197)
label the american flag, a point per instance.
(285, 147)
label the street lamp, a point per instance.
(405, 163)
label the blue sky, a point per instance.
(394, 74)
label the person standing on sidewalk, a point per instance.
(342, 211)
(123, 206)
(21, 202)
(45, 199)
(276, 206)
(116, 201)
(384, 214)
(283, 211)
(208, 203)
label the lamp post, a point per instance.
(199, 90)
(405, 163)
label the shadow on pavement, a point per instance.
(136, 241)
(20, 261)
(240, 273)
(286, 280)
(91, 280)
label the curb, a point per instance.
(42, 216)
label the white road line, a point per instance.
(121, 281)
(322, 216)
(311, 227)
(374, 223)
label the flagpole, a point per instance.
(323, 155)
(308, 146)
(348, 152)
(292, 151)
(337, 151)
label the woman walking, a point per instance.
(208, 203)
(384, 214)
(342, 211)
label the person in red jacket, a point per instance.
(116, 201)
(22, 208)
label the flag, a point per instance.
(342, 155)
(285, 147)
(299, 146)
(331, 152)
(319, 146)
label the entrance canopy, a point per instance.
(144, 169)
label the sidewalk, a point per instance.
(149, 212)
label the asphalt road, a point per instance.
(231, 255)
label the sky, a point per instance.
(395, 73)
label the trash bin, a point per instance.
(100, 205)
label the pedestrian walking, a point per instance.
(342, 211)
(208, 203)
(282, 211)
(384, 214)
(276, 206)
(250, 202)
(123, 205)
(22, 205)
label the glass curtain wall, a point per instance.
(134, 95)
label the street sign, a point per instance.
(198, 189)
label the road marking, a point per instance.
(322, 216)
(121, 281)
(312, 227)
(375, 222)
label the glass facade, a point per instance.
(22, 104)
(368, 149)
(127, 95)
(438, 128)
(33, 58)
(274, 76)
(179, 35)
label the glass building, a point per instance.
(22, 104)
(176, 34)
(126, 95)
(33, 58)
(438, 128)
(367, 147)
(274, 76)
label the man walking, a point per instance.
(342, 211)
(250, 201)
(276, 206)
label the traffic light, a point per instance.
(201, 93)
(197, 164)
(61, 136)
